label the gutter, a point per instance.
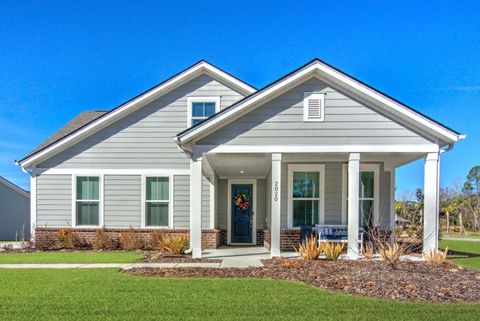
(450, 146)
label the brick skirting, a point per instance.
(210, 237)
(288, 239)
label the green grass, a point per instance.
(110, 295)
(70, 257)
(466, 253)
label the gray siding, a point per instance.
(333, 193)
(280, 121)
(122, 200)
(143, 139)
(54, 200)
(14, 214)
(181, 201)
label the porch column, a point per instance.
(431, 202)
(196, 208)
(353, 205)
(276, 208)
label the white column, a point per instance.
(431, 200)
(33, 205)
(196, 208)
(353, 205)
(276, 208)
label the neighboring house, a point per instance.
(206, 153)
(14, 212)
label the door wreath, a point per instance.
(242, 201)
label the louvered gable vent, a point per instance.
(313, 107)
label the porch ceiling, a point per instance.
(232, 165)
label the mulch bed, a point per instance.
(415, 281)
(157, 257)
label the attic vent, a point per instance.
(313, 107)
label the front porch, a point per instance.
(290, 189)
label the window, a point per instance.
(366, 199)
(368, 195)
(87, 203)
(306, 194)
(200, 108)
(157, 201)
(313, 106)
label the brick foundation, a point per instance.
(288, 239)
(211, 238)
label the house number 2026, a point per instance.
(275, 191)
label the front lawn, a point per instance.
(110, 295)
(465, 253)
(70, 257)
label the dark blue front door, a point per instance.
(242, 220)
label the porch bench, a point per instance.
(337, 234)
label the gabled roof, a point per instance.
(14, 187)
(74, 133)
(324, 71)
(82, 119)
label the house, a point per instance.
(14, 212)
(205, 153)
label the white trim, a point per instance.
(111, 171)
(14, 187)
(229, 209)
(322, 70)
(143, 193)
(33, 205)
(375, 168)
(196, 208)
(212, 203)
(143, 99)
(101, 191)
(313, 95)
(201, 99)
(212, 149)
(312, 168)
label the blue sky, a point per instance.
(58, 58)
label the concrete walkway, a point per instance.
(461, 239)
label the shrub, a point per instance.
(333, 250)
(103, 240)
(391, 253)
(311, 250)
(45, 242)
(176, 244)
(68, 239)
(435, 257)
(156, 238)
(130, 241)
(368, 252)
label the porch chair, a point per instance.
(337, 233)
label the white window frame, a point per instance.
(205, 99)
(321, 197)
(313, 95)
(100, 200)
(144, 201)
(375, 168)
